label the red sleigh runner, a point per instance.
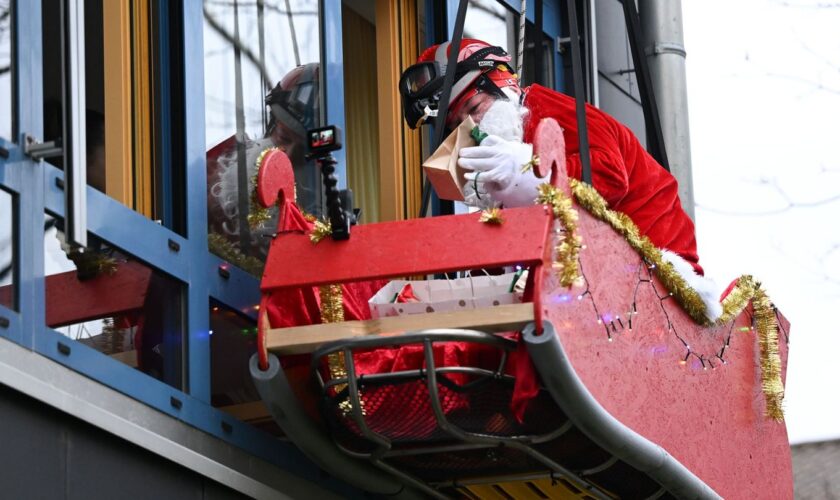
(606, 388)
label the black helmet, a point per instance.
(295, 101)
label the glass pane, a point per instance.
(5, 69)
(546, 76)
(233, 339)
(490, 21)
(121, 307)
(129, 155)
(7, 255)
(253, 50)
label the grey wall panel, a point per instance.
(31, 448)
(615, 61)
(100, 465)
(622, 107)
(215, 491)
(47, 454)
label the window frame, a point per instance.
(35, 187)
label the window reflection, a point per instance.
(128, 130)
(6, 69)
(490, 21)
(262, 89)
(108, 300)
(7, 256)
(496, 24)
(233, 339)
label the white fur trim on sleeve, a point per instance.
(705, 287)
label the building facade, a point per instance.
(129, 275)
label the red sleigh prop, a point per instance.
(635, 400)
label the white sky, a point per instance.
(764, 100)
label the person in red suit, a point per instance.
(629, 179)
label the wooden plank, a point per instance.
(304, 339)
(391, 179)
(410, 247)
(127, 357)
(70, 301)
(252, 412)
(116, 16)
(144, 134)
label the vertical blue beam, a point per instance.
(197, 317)
(552, 17)
(332, 57)
(29, 246)
(165, 115)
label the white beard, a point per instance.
(226, 189)
(505, 118)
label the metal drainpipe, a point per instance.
(662, 39)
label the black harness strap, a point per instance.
(580, 102)
(443, 104)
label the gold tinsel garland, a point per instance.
(686, 296)
(91, 263)
(569, 243)
(227, 250)
(530, 164)
(746, 290)
(257, 215)
(320, 230)
(332, 311)
(491, 216)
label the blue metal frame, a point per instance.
(35, 189)
(551, 26)
(332, 57)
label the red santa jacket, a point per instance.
(624, 173)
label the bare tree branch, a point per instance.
(808, 265)
(268, 5)
(814, 5)
(789, 203)
(218, 28)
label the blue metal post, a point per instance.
(198, 317)
(332, 62)
(29, 246)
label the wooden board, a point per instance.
(304, 339)
(417, 246)
(70, 301)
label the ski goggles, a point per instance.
(422, 84)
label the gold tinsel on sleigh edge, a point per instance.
(745, 290)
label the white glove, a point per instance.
(496, 171)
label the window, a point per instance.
(7, 251)
(262, 89)
(361, 107)
(6, 69)
(108, 300)
(130, 115)
(233, 339)
(490, 21)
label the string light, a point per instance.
(645, 277)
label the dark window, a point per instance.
(106, 299)
(6, 69)
(133, 116)
(7, 250)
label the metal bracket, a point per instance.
(38, 150)
(562, 43)
(666, 48)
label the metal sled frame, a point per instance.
(649, 464)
